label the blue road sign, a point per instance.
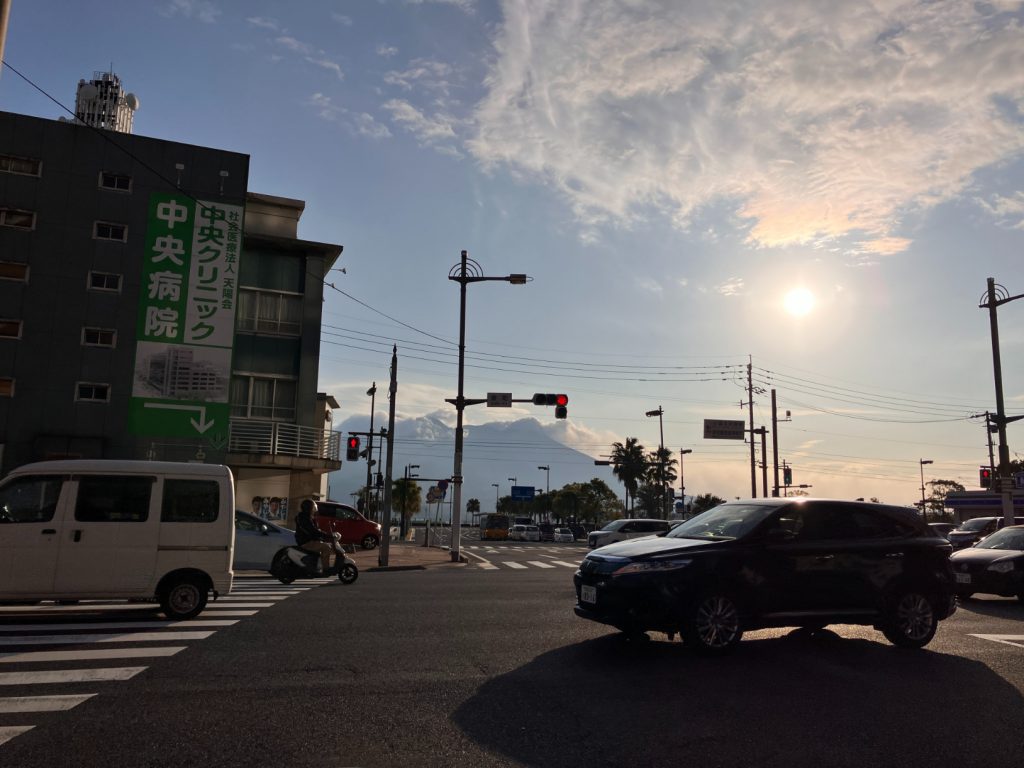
(523, 492)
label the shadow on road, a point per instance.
(798, 700)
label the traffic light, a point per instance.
(352, 454)
(985, 477)
(787, 475)
(559, 401)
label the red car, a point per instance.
(333, 516)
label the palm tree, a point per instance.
(473, 506)
(629, 465)
(405, 499)
(661, 471)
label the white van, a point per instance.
(104, 529)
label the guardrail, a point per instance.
(283, 439)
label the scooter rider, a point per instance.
(309, 537)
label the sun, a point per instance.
(799, 302)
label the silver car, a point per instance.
(257, 541)
(620, 530)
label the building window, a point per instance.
(269, 312)
(259, 397)
(92, 393)
(99, 337)
(11, 217)
(104, 281)
(105, 230)
(12, 270)
(6, 387)
(10, 329)
(23, 166)
(115, 181)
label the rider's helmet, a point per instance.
(308, 505)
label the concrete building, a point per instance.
(140, 318)
(103, 103)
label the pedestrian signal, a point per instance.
(352, 453)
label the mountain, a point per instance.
(492, 454)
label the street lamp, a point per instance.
(547, 490)
(465, 272)
(682, 482)
(922, 462)
(372, 392)
(661, 456)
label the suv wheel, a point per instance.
(713, 623)
(369, 541)
(910, 621)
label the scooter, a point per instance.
(291, 563)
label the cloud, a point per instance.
(386, 50)
(328, 65)
(292, 44)
(1007, 211)
(462, 5)
(342, 19)
(264, 22)
(310, 53)
(427, 129)
(812, 121)
(731, 287)
(648, 284)
(203, 10)
(361, 124)
(426, 73)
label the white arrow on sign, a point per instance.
(201, 426)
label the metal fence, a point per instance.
(283, 439)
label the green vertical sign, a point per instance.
(186, 322)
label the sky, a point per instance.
(817, 189)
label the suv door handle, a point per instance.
(49, 531)
(894, 554)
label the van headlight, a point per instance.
(1001, 567)
(653, 566)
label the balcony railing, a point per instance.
(283, 439)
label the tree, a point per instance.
(650, 500)
(593, 501)
(629, 465)
(935, 501)
(473, 505)
(405, 499)
(705, 502)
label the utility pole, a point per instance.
(775, 447)
(764, 460)
(994, 297)
(661, 458)
(385, 532)
(5, 12)
(988, 431)
(372, 392)
(750, 405)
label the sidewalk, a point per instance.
(404, 556)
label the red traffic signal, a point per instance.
(352, 451)
(546, 399)
(985, 477)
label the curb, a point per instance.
(395, 568)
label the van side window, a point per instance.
(190, 501)
(113, 499)
(30, 499)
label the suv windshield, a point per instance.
(1008, 538)
(727, 521)
(976, 524)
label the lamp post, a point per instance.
(547, 490)
(924, 513)
(465, 272)
(682, 482)
(496, 486)
(372, 392)
(661, 457)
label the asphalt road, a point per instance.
(467, 666)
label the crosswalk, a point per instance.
(483, 557)
(54, 658)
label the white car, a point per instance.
(257, 541)
(620, 530)
(532, 533)
(564, 535)
(517, 533)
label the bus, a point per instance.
(494, 527)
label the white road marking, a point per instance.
(215, 612)
(8, 732)
(567, 565)
(42, 703)
(540, 564)
(487, 566)
(124, 637)
(124, 625)
(84, 606)
(512, 564)
(1017, 640)
(89, 654)
(48, 676)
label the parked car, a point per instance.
(333, 516)
(995, 565)
(620, 530)
(942, 529)
(578, 531)
(547, 531)
(517, 533)
(257, 541)
(531, 533)
(563, 535)
(969, 532)
(774, 563)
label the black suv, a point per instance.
(775, 563)
(970, 532)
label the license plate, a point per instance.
(963, 578)
(588, 594)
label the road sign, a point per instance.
(723, 429)
(434, 494)
(523, 492)
(499, 399)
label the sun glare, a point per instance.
(799, 302)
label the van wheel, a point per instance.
(712, 624)
(910, 620)
(369, 542)
(183, 598)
